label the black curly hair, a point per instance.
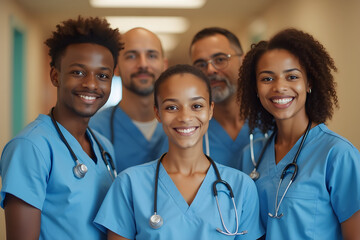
(312, 56)
(83, 30)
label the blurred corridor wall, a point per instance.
(335, 24)
(12, 15)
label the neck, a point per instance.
(227, 110)
(289, 132)
(227, 113)
(185, 161)
(138, 108)
(76, 125)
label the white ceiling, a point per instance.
(230, 14)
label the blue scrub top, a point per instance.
(129, 204)
(324, 194)
(223, 149)
(37, 168)
(131, 147)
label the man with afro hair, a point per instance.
(53, 175)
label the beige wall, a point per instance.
(11, 14)
(335, 24)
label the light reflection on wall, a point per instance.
(115, 94)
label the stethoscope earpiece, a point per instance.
(156, 221)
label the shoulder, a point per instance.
(334, 142)
(39, 132)
(101, 116)
(142, 171)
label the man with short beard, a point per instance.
(131, 125)
(218, 53)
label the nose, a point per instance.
(90, 81)
(185, 114)
(280, 85)
(210, 69)
(142, 62)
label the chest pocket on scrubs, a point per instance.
(299, 206)
(227, 211)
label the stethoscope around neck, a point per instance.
(80, 169)
(293, 165)
(156, 221)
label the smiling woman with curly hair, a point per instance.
(286, 85)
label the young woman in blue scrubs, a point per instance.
(185, 198)
(286, 85)
(43, 197)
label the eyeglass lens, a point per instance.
(219, 62)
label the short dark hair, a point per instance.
(211, 31)
(313, 58)
(83, 30)
(179, 69)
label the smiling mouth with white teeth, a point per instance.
(185, 130)
(282, 100)
(87, 97)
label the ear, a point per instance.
(166, 63)
(308, 87)
(54, 76)
(157, 114)
(211, 110)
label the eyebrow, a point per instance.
(212, 56)
(176, 100)
(286, 71)
(83, 66)
(148, 51)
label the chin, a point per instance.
(87, 113)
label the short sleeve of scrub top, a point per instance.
(28, 170)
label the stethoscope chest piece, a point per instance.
(80, 170)
(156, 221)
(254, 175)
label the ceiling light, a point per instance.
(148, 3)
(154, 24)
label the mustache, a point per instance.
(216, 78)
(89, 92)
(142, 72)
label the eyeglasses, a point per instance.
(219, 61)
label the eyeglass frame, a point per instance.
(211, 60)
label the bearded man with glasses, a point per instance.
(218, 53)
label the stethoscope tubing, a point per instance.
(105, 155)
(294, 165)
(256, 164)
(112, 116)
(215, 193)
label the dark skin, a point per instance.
(189, 108)
(281, 76)
(83, 81)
